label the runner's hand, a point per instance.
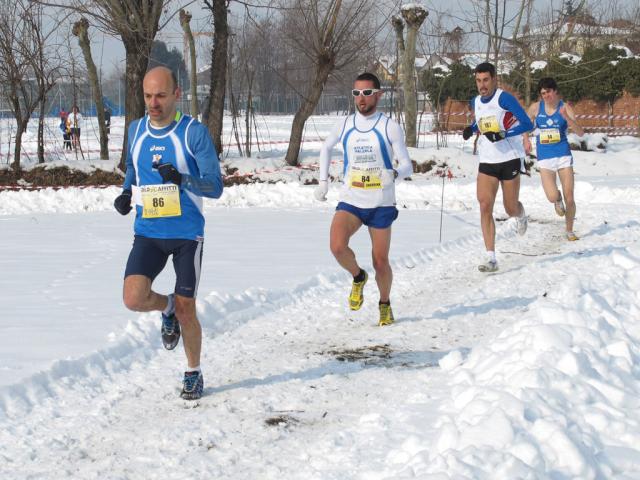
(169, 173)
(467, 133)
(494, 137)
(321, 191)
(122, 203)
(388, 176)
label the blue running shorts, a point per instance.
(149, 256)
(379, 217)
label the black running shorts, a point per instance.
(503, 171)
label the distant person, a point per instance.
(500, 120)
(66, 132)
(367, 197)
(171, 165)
(74, 124)
(107, 120)
(552, 118)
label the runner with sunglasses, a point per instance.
(367, 196)
(552, 118)
(500, 120)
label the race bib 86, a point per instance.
(160, 201)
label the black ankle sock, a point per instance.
(380, 302)
(360, 277)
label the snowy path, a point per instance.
(299, 387)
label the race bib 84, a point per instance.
(365, 179)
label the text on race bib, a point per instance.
(365, 179)
(549, 135)
(160, 201)
(489, 124)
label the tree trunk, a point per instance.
(322, 71)
(17, 148)
(137, 55)
(247, 119)
(81, 30)
(41, 112)
(218, 72)
(414, 18)
(185, 18)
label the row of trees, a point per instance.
(602, 74)
(274, 47)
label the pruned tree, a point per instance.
(81, 30)
(218, 80)
(185, 22)
(413, 15)
(329, 34)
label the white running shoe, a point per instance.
(488, 266)
(521, 223)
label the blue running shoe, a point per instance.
(192, 386)
(170, 330)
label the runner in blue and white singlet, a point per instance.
(171, 165)
(500, 121)
(371, 144)
(553, 118)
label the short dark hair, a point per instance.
(547, 83)
(369, 77)
(484, 68)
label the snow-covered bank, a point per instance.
(529, 373)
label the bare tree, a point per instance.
(81, 30)
(136, 22)
(218, 80)
(185, 19)
(330, 34)
(413, 15)
(25, 76)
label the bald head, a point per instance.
(164, 73)
(161, 93)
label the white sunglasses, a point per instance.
(367, 92)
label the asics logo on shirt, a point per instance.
(155, 148)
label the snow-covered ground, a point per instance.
(530, 373)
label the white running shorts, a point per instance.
(556, 163)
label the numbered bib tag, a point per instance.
(365, 179)
(549, 135)
(160, 201)
(489, 124)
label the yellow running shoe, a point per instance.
(572, 237)
(356, 298)
(386, 314)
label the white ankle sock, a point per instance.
(491, 255)
(194, 369)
